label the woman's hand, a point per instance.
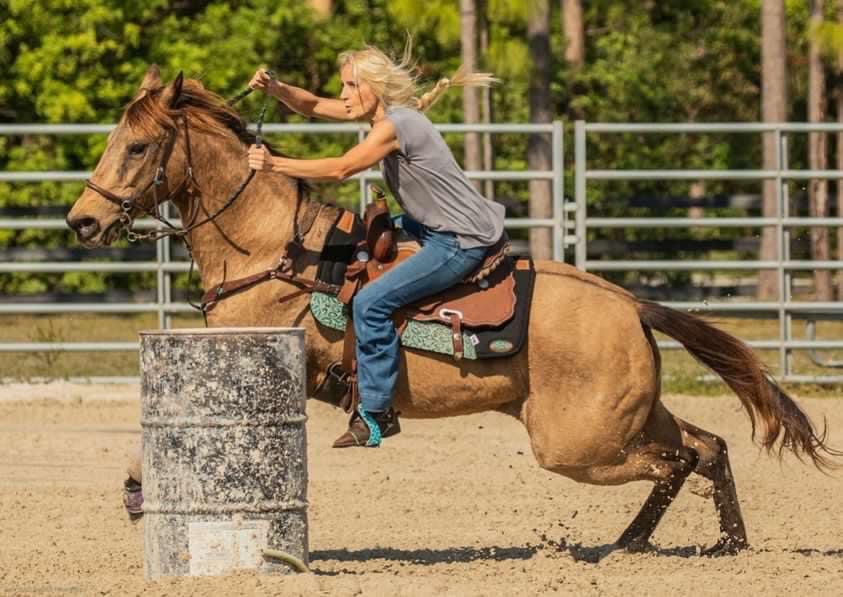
(259, 158)
(265, 81)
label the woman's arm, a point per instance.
(378, 144)
(299, 100)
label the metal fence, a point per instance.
(570, 223)
(165, 267)
(784, 307)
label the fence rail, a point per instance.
(570, 223)
(784, 306)
(166, 267)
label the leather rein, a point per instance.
(285, 269)
(131, 204)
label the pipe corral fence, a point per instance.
(569, 221)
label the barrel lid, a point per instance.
(225, 331)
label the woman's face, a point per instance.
(360, 101)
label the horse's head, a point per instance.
(137, 165)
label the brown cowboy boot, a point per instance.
(368, 429)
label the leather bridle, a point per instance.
(132, 204)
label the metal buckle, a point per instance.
(159, 177)
(341, 377)
(447, 313)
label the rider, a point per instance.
(457, 223)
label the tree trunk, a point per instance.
(541, 111)
(572, 25)
(696, 191)
(573, 28)
(818, 158)
(470, 105)
(840, 157)
(323, 8)
(486, 112)
(773, 109)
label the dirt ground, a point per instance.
(451, 507)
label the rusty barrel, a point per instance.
(224, 450)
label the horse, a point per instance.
(586, 384)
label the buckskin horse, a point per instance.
(586, 383)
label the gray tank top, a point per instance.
(431, 187)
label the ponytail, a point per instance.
(460, 79)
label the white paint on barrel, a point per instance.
(225, 468)
(220, 547)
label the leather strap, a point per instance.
(353, 281)
(456, 336)
(349, 365)
(285, 270)
(227, 289)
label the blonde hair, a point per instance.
(396, 83)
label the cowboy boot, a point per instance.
(368, 429)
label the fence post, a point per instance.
(559, 216)
(580, 254)
(782, 253)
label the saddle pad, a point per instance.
(507, 340)
(432, 337)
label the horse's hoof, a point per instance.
(133, 499)
(726, 547)
(635, 546)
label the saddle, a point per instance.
(486, 298)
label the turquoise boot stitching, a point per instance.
(374, 429)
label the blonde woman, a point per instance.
(454, 224)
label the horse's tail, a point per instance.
(782, 420)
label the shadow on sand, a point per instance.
(580, 553)
(424, 557)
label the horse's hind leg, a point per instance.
(714, 465)
(657, 454)
(670, 468)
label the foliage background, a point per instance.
(80, 61)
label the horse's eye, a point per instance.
(137, 148)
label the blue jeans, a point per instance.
(439, 264)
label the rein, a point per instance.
(130, 204)
(285, 269)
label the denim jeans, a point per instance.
(439, 264)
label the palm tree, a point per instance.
(470, 105)
(323, 8)
(817, 155)
(541, 111)
(572, 26)
(773, 109)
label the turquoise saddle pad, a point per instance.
(430, 336)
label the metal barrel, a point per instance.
(225, 459)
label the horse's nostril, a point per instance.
(84, 227)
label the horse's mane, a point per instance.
(205, 111)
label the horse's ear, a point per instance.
(171, 92)
(152, 79)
